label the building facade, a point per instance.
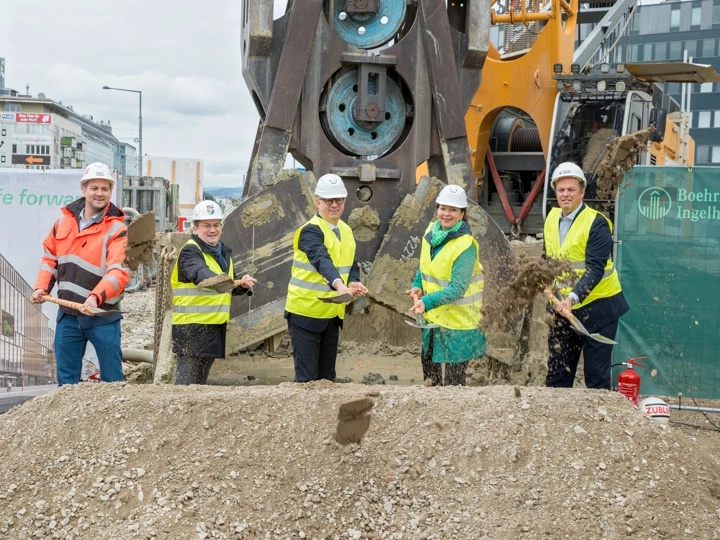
(125, 159)
(47, 135)
(26, 340)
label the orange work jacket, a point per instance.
(85, 262)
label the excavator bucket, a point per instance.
(260, 232)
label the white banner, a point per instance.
(30, 202)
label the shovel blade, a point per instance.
(603, 339)
(423, 326)
(221, 283)
(597, 337)
(339, 299)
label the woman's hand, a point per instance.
(418, 306)
(415, 291)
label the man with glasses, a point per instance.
(200, 315)
(324, 266)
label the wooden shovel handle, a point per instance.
(552, 298)
(66, 303)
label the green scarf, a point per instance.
(439, 234)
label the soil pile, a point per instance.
(621, 155)
(530, 277)
(122, 461)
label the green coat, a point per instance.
(452, 346)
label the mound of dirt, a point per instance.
(530, 277)
(122, 461)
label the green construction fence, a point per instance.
(667, 232)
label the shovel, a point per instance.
(577, 325)
(221, 283)
(420, 321)
(339, 299)
(96, 312)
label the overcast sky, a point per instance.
(184, 55)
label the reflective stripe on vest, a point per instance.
(464, 313)
(194, 305)
(307, 285)
(573, 250)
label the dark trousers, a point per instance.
(314, 353)
(454, 373)
(192, 369)
(565, 346)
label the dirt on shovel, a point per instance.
(141, 241)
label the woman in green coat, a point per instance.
(448, 291)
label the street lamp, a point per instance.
(140, 154)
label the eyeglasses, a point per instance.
(209, 226)
(337, 201)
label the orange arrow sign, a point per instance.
(33, 159)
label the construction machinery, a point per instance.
(542, 102)
(372, 90)
(368, 90)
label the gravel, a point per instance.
(124, 461)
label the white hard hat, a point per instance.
(97, 171)
(330, 186)
(568, 170)
(656, 408)
(207, 210)
(452, 196)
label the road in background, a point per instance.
(8, 400)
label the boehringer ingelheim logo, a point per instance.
(654, 203)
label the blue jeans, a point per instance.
(70, 343)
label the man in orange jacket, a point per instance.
(83, 256)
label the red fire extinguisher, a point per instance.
(629, 381)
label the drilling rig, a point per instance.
(368, 90)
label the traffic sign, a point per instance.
(25, 159)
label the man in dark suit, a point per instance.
(592, 292)
(323, 267)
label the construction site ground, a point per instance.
(146, 461)
(259, 459)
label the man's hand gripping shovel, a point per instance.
(575, 322)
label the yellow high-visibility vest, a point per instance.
(193, 305)
(307, 285)
(573, 250)
(464, 313)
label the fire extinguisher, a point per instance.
(629, 381)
